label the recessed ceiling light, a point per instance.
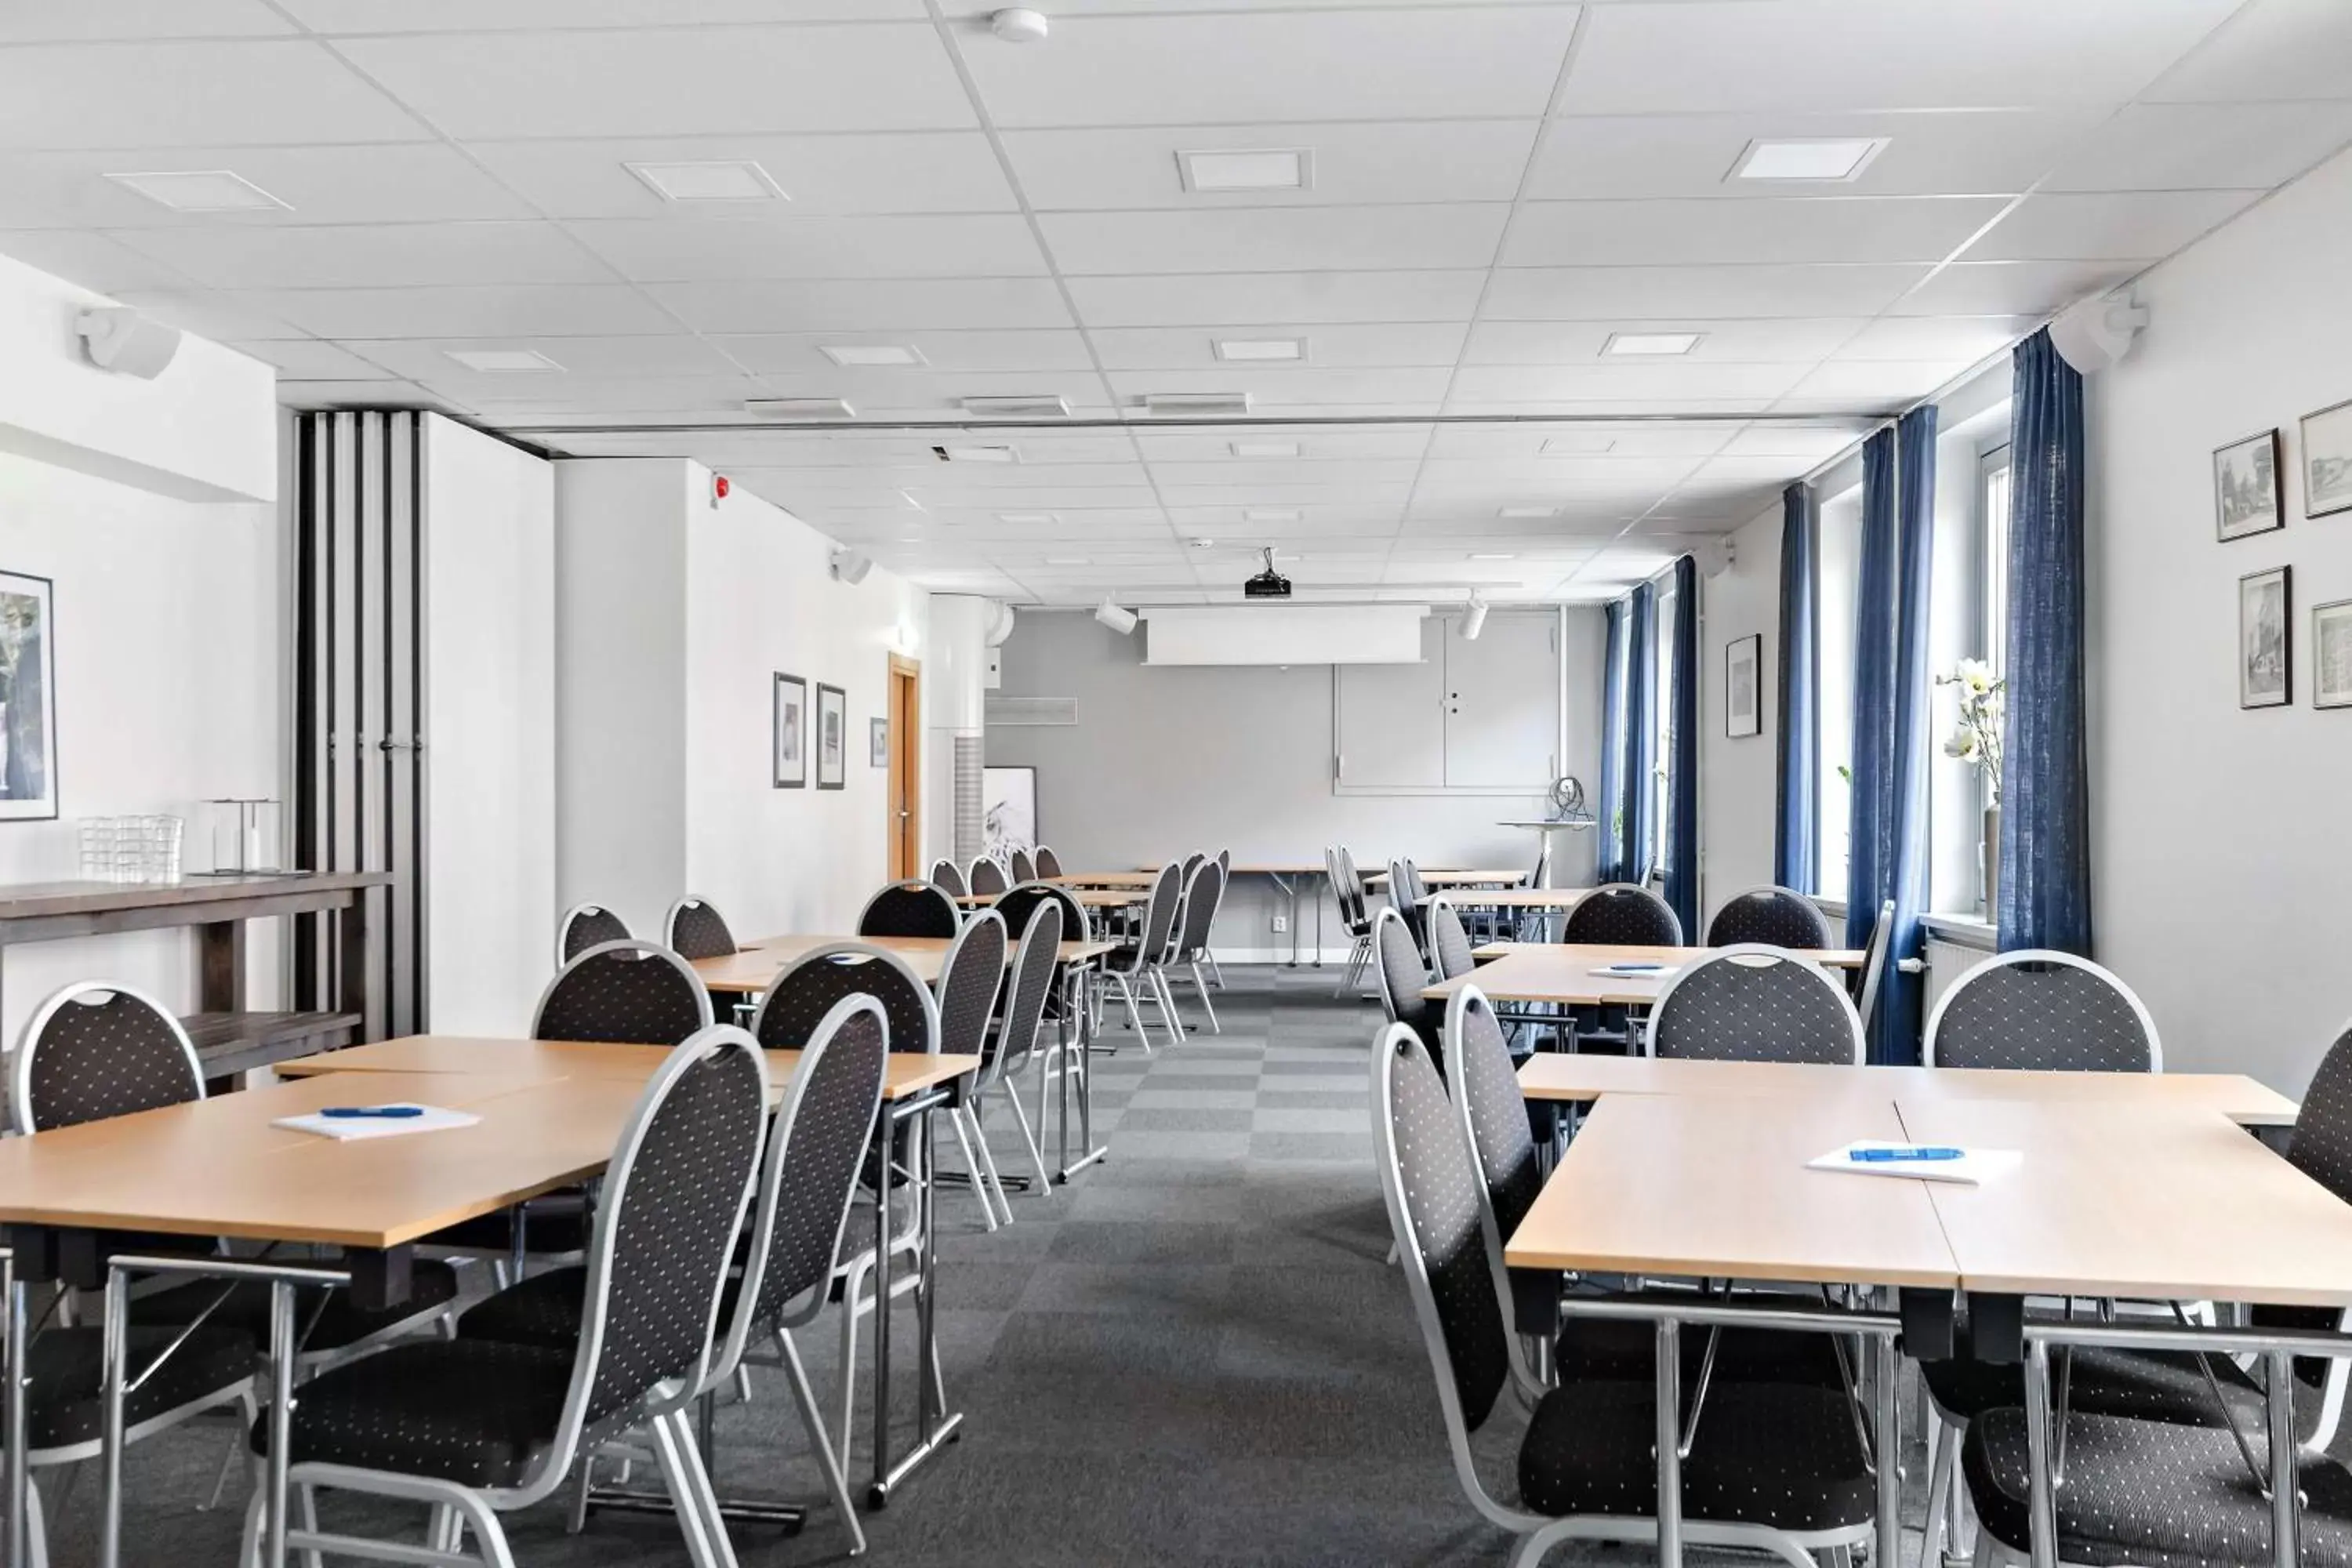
(1261, 349)
(1271, 514)
(800, 408)
(1491, 555)
(1807, 158)
(976, 454)
(870, 353)
(714, 180)
(1650, 342)
(1525, 512)
(1065, 561)
(502, 361)
(1264, 449)
(910, 539)
(1247, 169)
(202, 191)
(1199, 404)
(1026, 407)
(1029, 519)
(1578, 446)
(1201, 544)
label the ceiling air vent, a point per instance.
(1030, 711)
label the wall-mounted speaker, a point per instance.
(2096, 334)
(120, 339)
(850, 566)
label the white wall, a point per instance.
(672, 619)
(489, 557)
(2221, 857)
(1739, 778)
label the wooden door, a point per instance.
(904, 795)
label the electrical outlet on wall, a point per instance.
(1281, 924)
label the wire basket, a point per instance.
(130, 849)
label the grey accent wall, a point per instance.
(1165, 760)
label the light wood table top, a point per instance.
(1703, 1186)
(2139, 1200)
(1087, 897)
(907, 1073)
(1515, 899)
(1453, 878)
(756, 966)
(218, 1167)
(1104, 879)
(1563, 972)
(1567, 1076)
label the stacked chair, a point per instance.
(1348, 890)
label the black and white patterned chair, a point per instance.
(972, 977)
(477, 1427)
(987, 878)
(2036, 1008)
(1403, 977)
(1224, 863)
(948, 878)
(1619, 914)
(584, 926)
(1049, 864)
(1205, 890)
(1013, 1042)
(695, 929)
(1781, 916)
(1774, 1465)
(1015, 905)
(1348, 893)
(1020, 866)
(1143, 963)
(1406, 894)
(1755, 1003)
(1449, 943)
(910, 908)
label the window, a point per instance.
(1839, 566)
(1992, 493)
(1968, 621)
(1663, 721)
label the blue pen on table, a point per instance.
(347, 1112)
(1888, 1156)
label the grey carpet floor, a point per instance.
(1193, 1355)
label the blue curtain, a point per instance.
(1892, 715)
(1797, 823)
(2045, 804)
(1682, 752)
(1610, 800)
(1639, 810)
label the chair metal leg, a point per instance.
(670, 1441)
(706, 1495)
(1939, 1540)
(1165, 995)
(972, 1165)
(1216, 971)
(1134, 1013)
(986, 1170)
(848, 1374)
(1028, 1134)
(1206, 1006)
(836, 1482)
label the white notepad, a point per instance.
(344, 1129)
(1637, 972)
(1974, 1167)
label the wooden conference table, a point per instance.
(2128, 1186)
(1290, 876)
(1562, 972)
(1087, 897)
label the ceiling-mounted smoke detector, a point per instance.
(1020, 25)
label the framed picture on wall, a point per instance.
(1743, 708)
(2327, 462)
(2331, 655)
(878, 735)
(791, 734)
(1008, 799)
(831, 736)
(29, 700)
(2246, 487)
(2265, 654)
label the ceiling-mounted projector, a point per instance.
(1268, 584)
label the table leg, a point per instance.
(935, 1426)
(1669, 1439)
(1319, 928)
(1289, 887)
(1089, 1150)
(882, 1316)
(1884, 1396)
(113, 1334)
(2042, 1503)
(2279, 1389)
(281, 1415)
(20, 1480)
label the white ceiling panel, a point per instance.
(1611, 383)
(1962, 338)
(1377, 345)
(2270, 49)
(1302, 297)
(375, 183)
(1398, 161)
(205, 314)
(463, 16)
(876, 392)
(1886, 382)
(189, 94)
(2011, 288)
(1287, 476)
(2195, 146)
(534, 396)
(1844, 229)
(363, 395)
(2123, 226)
(1573, 443)
(1315, 443)
(37, 22)
(889, 172)
(1274, 239)
(1726, 342)
(514, 310)
(307, 359)
(1807, 442)
(803, 353)
(1610, 293)
(371, 256)
(911, 305)
(429, 359)
(1714, 55)
(1272, 387)
(1278, 66)
(671, 82)
(979, 245)
(92, 259)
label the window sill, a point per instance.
(1964, 930)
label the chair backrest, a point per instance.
(1623, 915)
(694, 930)
(1449, 944)
(1224, 860)
(2320, 1147)
(1756, 1003)
(674, 1195)
(1484, 1083)
(1192, 861)
(1048, 863)
(815, 1145)
(1032, 984)
(1357, 909)
(909, 909)
(2040, 1008)
(584, 926)
(948, 878)
(1017, 904)
(1873, 967)
(970, 977)
(1403, 973)
(1023, 868)
(1161, 911)
(626, 991)
(1781, 916)
(1543, 861)
(1203, 891)
(1400, 885)
(988, 878)
(797, 1001)
(95, 1051)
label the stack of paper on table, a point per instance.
(343, 1129)
(1973, 1167)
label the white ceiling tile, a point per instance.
(1933, 153)
(1572, 442)
(2011, 288)
(189, 94)
(1681, 407)
(1327, 347)
(1715, 55)
(95, 261)
(1398, 161)
(208, 315)
(671, 82)
(362, 394)
(1883, 380)
(2123, 226)
(1274, 388)
(1758, 231)
(371, 256)
(961, 246)
(37, 21)
(1235, 471)
(1205, 299)
(1235, 67)
(891, 305)
(1730, 341)
(1622, 383)
(307, 359)
(803, 353)
(2190, 146)
(1610, 293)
(875, 391)
(2269, 51)
(376, 183)
(890, 172)
(1945, 337)
(676, 354)
(515, 310)
(1281, 239)
(463, 16)
(1341, 446)
(533, 397)
(1808, 442)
